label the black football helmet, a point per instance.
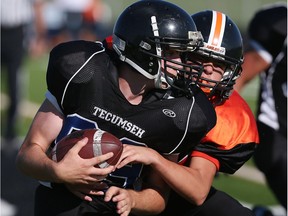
(146, 30)
(222, 44)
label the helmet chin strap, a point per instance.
(119, 45)
(162, 83)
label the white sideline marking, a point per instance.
(250, 173)
(277, 210)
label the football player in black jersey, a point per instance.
(140, 91)
(228, 145)
(266, 56)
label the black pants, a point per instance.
(12, 52)
(271, 158)
(217, 203)
(61, 202)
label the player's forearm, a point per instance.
(253, 65)
(147, 202)
(192, 184)
(36, 164)
(32, 159)
(152, 199)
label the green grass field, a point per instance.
(245, 190)
(34, 88)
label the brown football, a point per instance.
(99, 142)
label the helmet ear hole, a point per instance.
(144, 60)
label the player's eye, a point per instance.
(171, 53)
(219, 65)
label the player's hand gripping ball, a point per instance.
(99, 142)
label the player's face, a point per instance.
(213, 70)
(174, 67)
(171, 66)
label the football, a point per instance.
(99, 142)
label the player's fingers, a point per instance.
(96, 192)
(100, 173)
(124, 161)
(127, 148)
(87, 198)
(123, 208)
(92, 179)
(126, 213)
(100, 159)
(125, 158)
(123, 211)
(110, 193)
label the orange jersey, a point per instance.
(233, 140)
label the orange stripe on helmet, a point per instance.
(217, 29)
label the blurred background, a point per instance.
(55, 21)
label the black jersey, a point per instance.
(268, 33)
(83, 79)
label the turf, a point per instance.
(244, 190)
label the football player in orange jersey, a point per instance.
(228, 145)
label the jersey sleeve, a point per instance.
(234, 138)
(65, 61)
